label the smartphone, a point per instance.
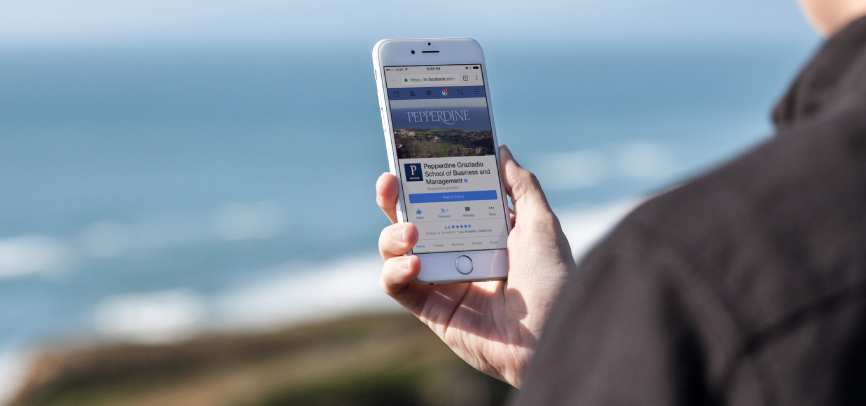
(441, 141)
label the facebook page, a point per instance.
(446, 157)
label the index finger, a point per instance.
(386, 195)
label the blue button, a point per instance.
(452, 197)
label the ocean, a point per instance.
(149, 194)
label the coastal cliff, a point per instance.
(382, 360)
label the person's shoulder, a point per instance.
(774, 231)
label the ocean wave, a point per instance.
(32, 254)
(151, 318)
(346, 286)
(104, 239)
(296, 293)
(14, 367)
(637, 159)
(584, 227)
(247, 221)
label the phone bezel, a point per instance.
(439, 267)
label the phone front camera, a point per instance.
(428, 43)
(413, 52)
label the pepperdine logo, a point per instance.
(413, 172)
(449, 117)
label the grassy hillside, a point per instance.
(377, 360)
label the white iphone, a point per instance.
(441, 141)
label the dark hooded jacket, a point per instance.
(745, 286)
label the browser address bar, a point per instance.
(434, 79)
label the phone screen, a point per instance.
(446, 157)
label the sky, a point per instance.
(94, 23)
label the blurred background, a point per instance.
(187, 210)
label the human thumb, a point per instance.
(521, 185)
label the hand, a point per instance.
(493, 326)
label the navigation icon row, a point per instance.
(437, 92)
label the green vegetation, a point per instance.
(370, 360)
(442, 142)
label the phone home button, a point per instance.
(464, 265)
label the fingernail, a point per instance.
(400, 235)
(508, 152)
(404, 264)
